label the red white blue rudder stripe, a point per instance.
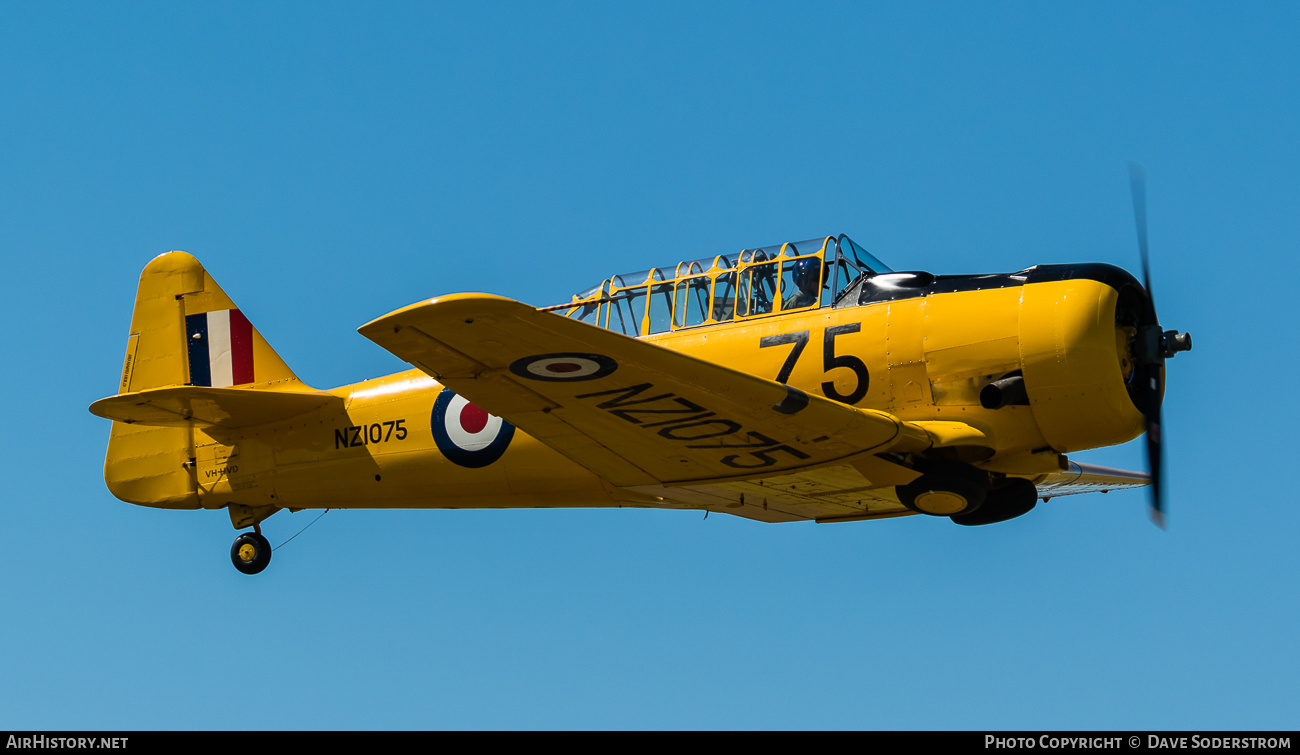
(220, 346)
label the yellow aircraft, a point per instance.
(687, 387)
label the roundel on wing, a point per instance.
(563, 367)
(466, 434)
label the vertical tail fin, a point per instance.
(184, 331)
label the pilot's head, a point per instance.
(808, 275)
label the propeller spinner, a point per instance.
(1152, 346)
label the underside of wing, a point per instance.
(843, 493)
(1089, 478)
(833, 493)
(634, 413)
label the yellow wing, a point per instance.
(632, 412)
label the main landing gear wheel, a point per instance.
(947, 489)
(251, 553)
(1016, 497)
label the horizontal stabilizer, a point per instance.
(208, 407)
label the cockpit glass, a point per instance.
(632, 279)
(627, 312)
(753, 282)
(811, 246)
(724, 297)
(862, 256)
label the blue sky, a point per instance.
(332, 162)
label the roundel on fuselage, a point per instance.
(466, 434)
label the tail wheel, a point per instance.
(1015, 498)
(250, 553)
(947, 489)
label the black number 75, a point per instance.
(799, 340)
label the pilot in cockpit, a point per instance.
(808, 279)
